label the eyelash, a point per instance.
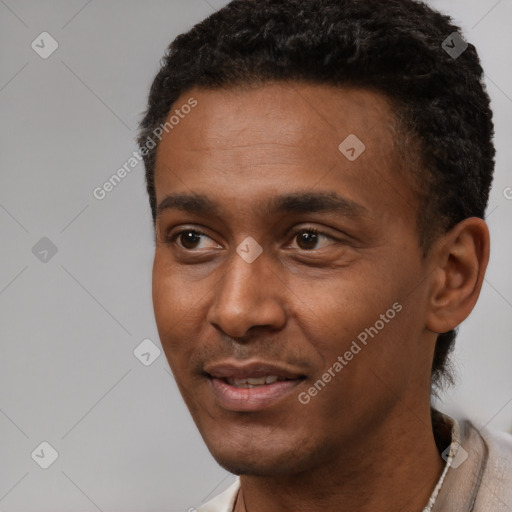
(172, 239)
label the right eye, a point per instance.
(187, 239)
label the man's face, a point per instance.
(263, 160)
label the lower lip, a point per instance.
(251, 399)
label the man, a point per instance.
(318, 173)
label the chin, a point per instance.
(263, 466)
(263, 458)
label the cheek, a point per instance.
(338, 307)
(355, 315)
(177, 305)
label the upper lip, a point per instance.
(255, 369)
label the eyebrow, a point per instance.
(297, 202)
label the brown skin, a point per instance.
(366, 439)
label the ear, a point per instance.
(460, 259)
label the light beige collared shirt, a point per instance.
(477, 476)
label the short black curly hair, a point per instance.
(398, 48)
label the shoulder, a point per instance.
(499, 462)
(495, 490)
(224, 502)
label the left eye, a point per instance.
(308, 239)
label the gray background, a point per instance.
(69, 325)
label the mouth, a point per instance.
(253, 382)
(251, 387)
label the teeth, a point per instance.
(253, 381)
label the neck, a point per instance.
(393, 467)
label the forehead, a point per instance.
(291, 111)
(247, 140)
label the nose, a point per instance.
(248, 295)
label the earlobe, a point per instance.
(460, 260)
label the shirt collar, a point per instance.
(449, 455)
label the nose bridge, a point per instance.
(246, 295)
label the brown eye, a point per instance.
(309, 239)
(189, 238)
